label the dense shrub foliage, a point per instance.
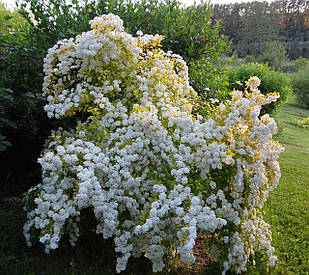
(272, 54)
(189, 32)
(23, 124)
(9, 20)
(300, 81)
(151, 168)
(271, 81)
(300, 63)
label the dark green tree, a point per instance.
(252, 25)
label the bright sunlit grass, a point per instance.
(287, 209)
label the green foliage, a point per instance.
(23, 124)
(10, 20)
(274, 55)
(300, 81)
(300, 63)
(252, 24)
(271, 81)
(6, 99)
(209, 81)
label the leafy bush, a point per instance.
(6, 99)
(189, 32)
(9, 20)
(300, 82)
(271, 81)
(210, 81)
(300, 63)
(23, 123)
(274, 55)
(153, 172)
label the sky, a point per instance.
(11, 3)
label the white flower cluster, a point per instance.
(154, 173)
(253, 82)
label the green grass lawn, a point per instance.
(287, 210)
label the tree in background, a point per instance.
(10, 21)
(251, 25)
(295, 27)
(273, 54)
(256, 32)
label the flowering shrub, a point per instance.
(154, 172)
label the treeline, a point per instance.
(254, 25)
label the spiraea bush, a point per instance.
(154, 171)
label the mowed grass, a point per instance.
(287, 211)
(287, 208)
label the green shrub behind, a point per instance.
(271, 81)
(300, 63)
(274, 55)
(189, 32)
(300, 82)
